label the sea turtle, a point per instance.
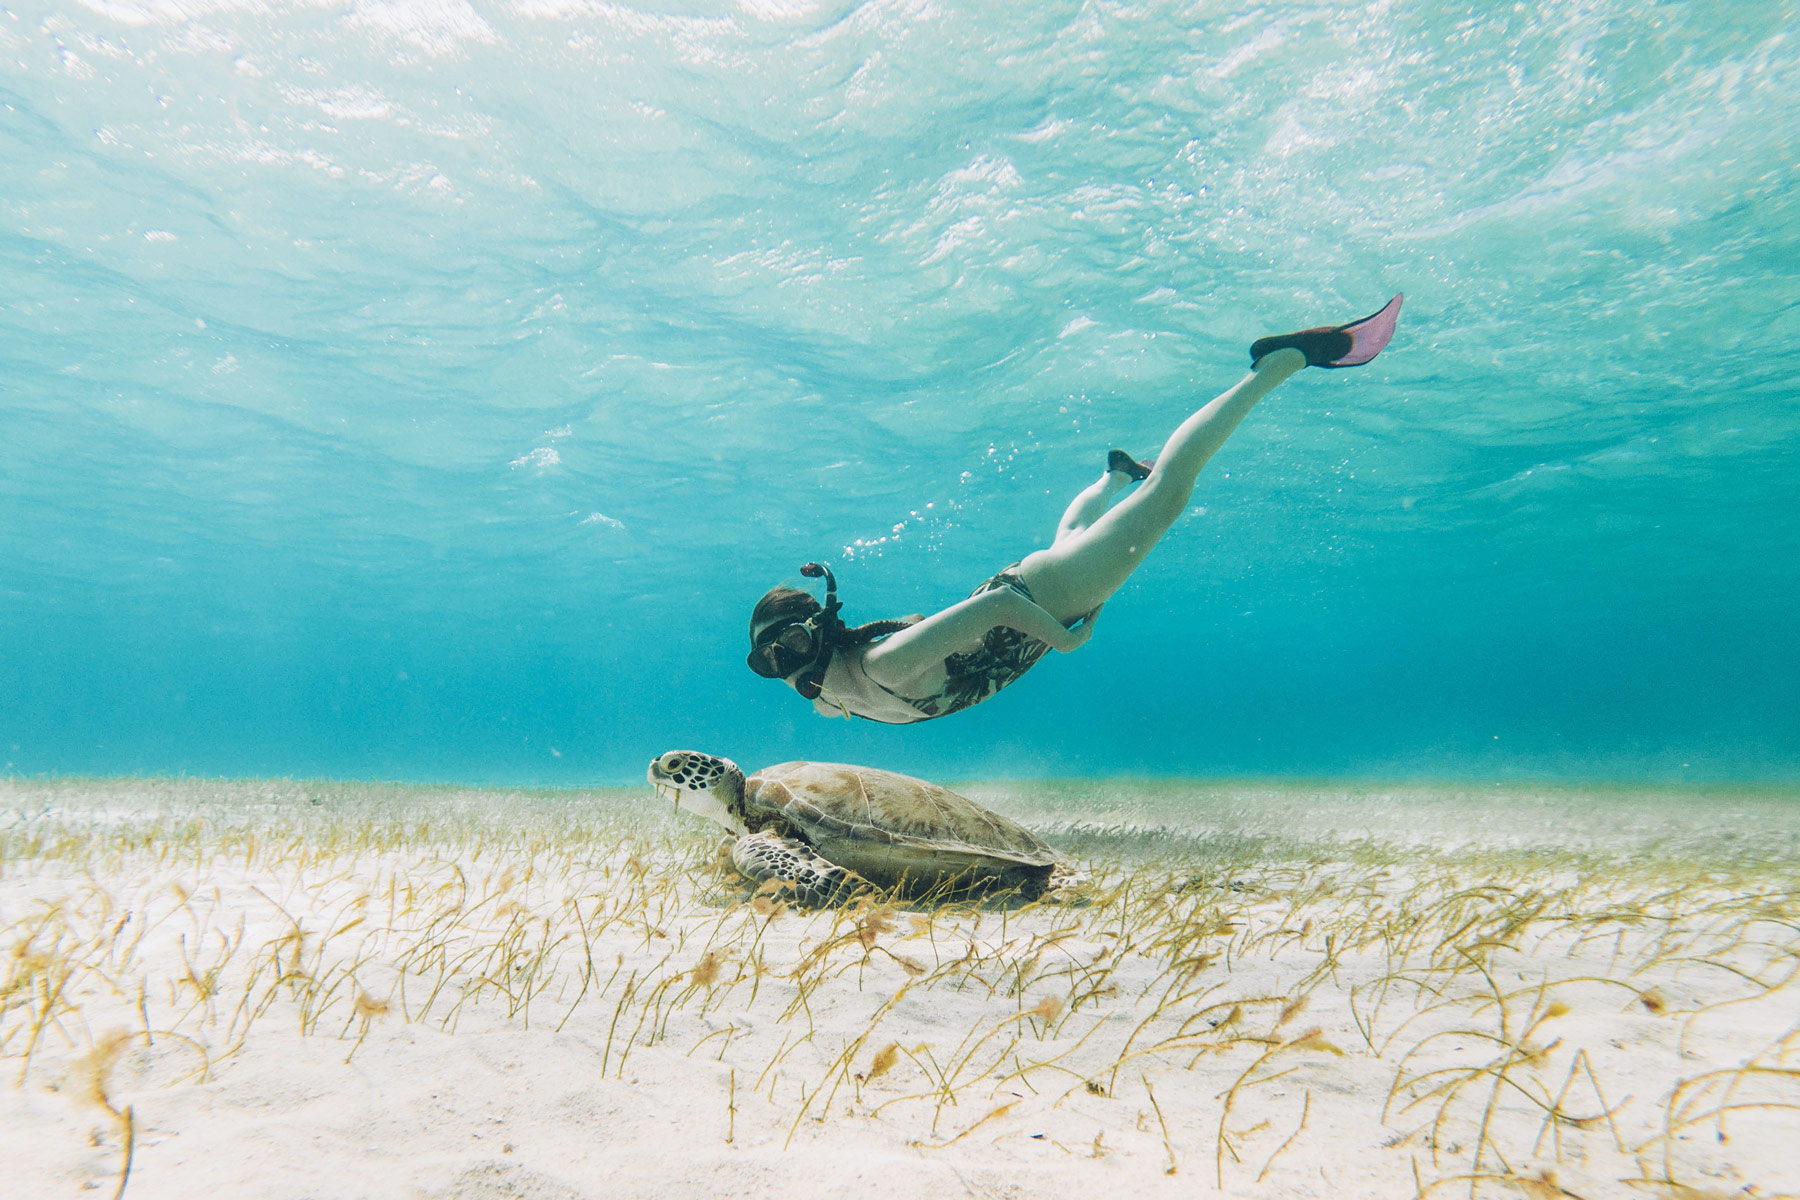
(829, 829)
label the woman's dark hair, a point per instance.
(779, 604)
(785, 603)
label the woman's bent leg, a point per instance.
(1077, 573)
(1091, 504)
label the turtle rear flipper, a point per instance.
(1067, 885)
(810, 879)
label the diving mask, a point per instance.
(783, 648)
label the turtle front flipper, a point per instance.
(812, 880)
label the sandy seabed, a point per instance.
(324, 990)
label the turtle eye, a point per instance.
(671, 763)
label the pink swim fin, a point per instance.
(1349, 345)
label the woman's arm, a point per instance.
(918, 652)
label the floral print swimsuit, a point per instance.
(1003, 656)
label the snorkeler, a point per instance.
(915, 668)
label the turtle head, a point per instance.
(704, 784)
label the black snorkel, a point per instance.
(826, 626)
(774, 653)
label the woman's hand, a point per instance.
(1077, 637)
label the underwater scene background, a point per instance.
(426, 390)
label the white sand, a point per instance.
(1369, 1021)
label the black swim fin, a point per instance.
(1118, 460)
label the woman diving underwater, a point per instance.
(914, 669)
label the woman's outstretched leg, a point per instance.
(1078, 572)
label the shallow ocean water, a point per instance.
(426, 390)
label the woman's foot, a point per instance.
(1349, 345)
(1118, 460)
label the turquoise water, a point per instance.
(426, 390)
